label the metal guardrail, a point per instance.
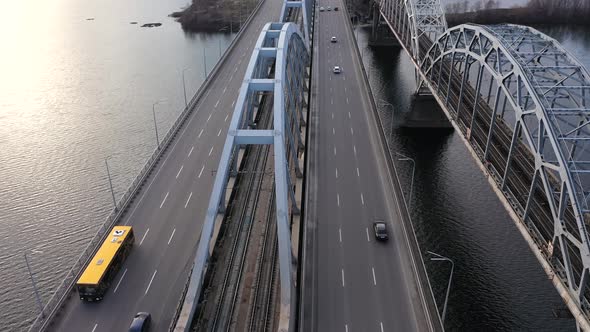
(63, 290)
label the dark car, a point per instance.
(380, 229)
(141, 322)
(335, 9)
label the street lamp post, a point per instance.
(205, 61)
(405, 158)
(438, 257)
(155, 123)
(110, 182)
(184, 86)
(35, 285)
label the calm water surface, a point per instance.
(498, 284)
(72, 92)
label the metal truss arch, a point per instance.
(278, 67)
(290, 13)
(523, 104)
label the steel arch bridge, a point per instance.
(521, 103)
(278, 70)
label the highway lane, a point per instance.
(167, 214)
(361, 285)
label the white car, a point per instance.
(337, 70)
(333, 39)
(329, 8)
(321, 9)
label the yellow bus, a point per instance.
(101, 270)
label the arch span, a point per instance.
(522, 103)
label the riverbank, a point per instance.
(214, 15)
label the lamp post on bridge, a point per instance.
(438, 257)
(155, 123)
(39, 303)
(184, 86)
(110, 182)
(406, 158)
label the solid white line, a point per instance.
(351, 131)
(95, 326)
(333, 131)
(336, 172)
(338, 199)
(381, 323)
(123, 276)
(368, 238)
(362, 199)
(180, 170)
(342, 277)
(201, 172)
(164, 200)
(144, 235)
(188, 199)
(349, 115)
(174, 231)
(191, 151)
(148, 287)
(201, 133)
(375, 283)
(354, 148)
(210, 151)
(357, 172)
(219, 133)
(227, 116)
(217, 103)
(340, 234)
(209, 118)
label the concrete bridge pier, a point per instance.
(425, 113)
(380, 33)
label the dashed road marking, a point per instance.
(164, 200)
(226, 117)
(217, 103)
(338, 199)
(191, 151)
(188, 199)
(123, 276)
(340, 234)
(375, 283)
(357, 172)
(144, 235)
(95, 326)
(342, 277)
(179, 171)
(171, 236)
(367, 231)
(209, 118)
(201, 172)
(151, 280)
(219, 133)
(201, 133)
(211, 151)
(362, 199)
(351, 131)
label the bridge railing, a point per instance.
(62, 292)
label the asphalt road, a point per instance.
(168, 213)
(358, 284)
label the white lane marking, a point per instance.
(354, 148)
(338, 199)
(188, 199)
(332, 101)
(342, 277)
(219, 133)
(191, 151)
(347, 100)
(211, 151)
(334, 150)
(340, 234)
(209, 118)
(362, 199)
(95, 326)
(123, 276)
(349, 115)
(144, 235)
(332, 115)
(344, 89)
(231, 77)
(201, 172)
(344, 77)
(345, 327)
(233, 103)
(225, 89)
(357, 172)
(164, 200)
(333, 131)
(375, 283)
(381, 323)
(171, 236)
(330, 78)
(368, 238)
(235, 70)
(336, 172)
(201, 133)
(179, 171)
(217, 103)
(227, 116)
(351, 131)
(148, 287)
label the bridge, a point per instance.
(516, 97)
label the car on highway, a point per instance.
(380, 229)
(333, 39)
(328, 8)
(141, 322)
(335, 9)
(322, 9)
(337, 70)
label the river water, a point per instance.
(78, 84)
(498, 284)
